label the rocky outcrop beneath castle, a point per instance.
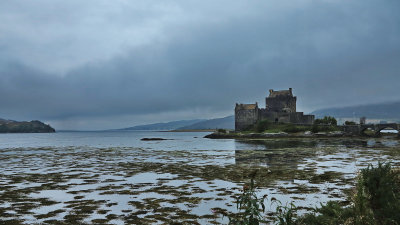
(217, 135)
(35, 126)
(238, 135)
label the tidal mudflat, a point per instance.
(122, 185)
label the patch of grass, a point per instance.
(324, 128)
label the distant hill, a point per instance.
(164, 126)
(225, 123)
(34, 126)
(389, 110)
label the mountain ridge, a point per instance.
(386, 110)
(227, 122)
(172, 125)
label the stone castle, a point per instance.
(280, 106)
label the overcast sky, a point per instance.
(98, 64)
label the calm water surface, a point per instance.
(115, 178)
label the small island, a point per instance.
(34, 126)
(279, 118)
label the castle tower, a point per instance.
(281, 101)
(246, 115)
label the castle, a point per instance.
(280, 106)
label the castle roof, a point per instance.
(274, 94)
(247, 106)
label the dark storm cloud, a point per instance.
(192, 57)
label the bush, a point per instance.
(314, 128)
(327, 120)
(376, 201)
(379, 190)
(323, 128)
(221, 131)
(249, 205)
(262, 126)
(291, 128)
(331, 213)
(266, 125)
(285, 215)
(348, 123)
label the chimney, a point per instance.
(290, 89)
(271, 90)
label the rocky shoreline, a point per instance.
(237, 135)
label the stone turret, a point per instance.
(281, 101)
(246, 115)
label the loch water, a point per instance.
(115, 178)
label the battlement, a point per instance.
(281, 101)
(282, 93)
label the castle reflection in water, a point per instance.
(289, 153)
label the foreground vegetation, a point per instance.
(375, 201)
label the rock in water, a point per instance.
(154, 139)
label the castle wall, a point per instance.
(245, 118)
(267, 115)
(300, 118)
(283, 117)
(307, 119)
(281, 104)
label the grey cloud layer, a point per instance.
(183, 56)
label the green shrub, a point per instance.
(379, 190)
(331, 213)
(221, 131)
(262, 125)
(291, 128)
(323, 128)
(376, 201)
(327, 120)
(285, 215)
(266, 125)
(314, 128)
(250, 207)
(348, 123)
